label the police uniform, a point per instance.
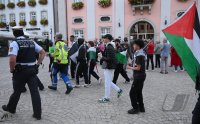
(25, 72)
(61, 65)
(196, 113)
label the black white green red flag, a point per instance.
(184, 36)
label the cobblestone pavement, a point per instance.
(169, 99)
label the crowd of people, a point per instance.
(81, 57)
(162, 53)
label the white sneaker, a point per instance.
(86, 85)
(175, 71)
(100, 80)
(77, 86)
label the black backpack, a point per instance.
(197, 87)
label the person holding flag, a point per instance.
(121, 60)
(91, 55)
(186, 41)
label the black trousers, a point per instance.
(82, 68)
(50, 63)
(92, 72)
(136, 93)
(120, 70)
(196, 113)
(72, 69)
(157, 60)
(20, 79)
(150, 58)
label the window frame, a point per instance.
(73, 22)
(14, 17)
(106, 32)
(105, 16)
(32, 15)
(3, 18)
(20, 16)
(46, 14)
(79, 34)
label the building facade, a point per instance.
(35, 15)
(91, 19)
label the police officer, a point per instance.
(196, 113)
(24, 68)
(60, 64)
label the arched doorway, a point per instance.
(142, 30)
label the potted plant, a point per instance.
(77, 5)
(182, 0)
(11, 5)
(2, 6)
(33, 22)
(21, 4)
(105, 3)
(32, 3)
(2, 24)
(12, 24)
(22, 23)
(139, 2)
(44, 22)
(43, 2)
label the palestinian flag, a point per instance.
(92, 53)
(184, 36)
(121, 57)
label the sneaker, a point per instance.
(175, 71)
(37, 117)
(119, 93)
(104, 100)
(69, 90)
(52, 87)
(4, 107)
(6, 116)
(86, 85)
(142, 109)
(166, 72)
(100, 80)
(77, 86)
(162, 72)
(182, 70)
(127, 82)
(133, 111)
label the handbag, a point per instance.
(104, 65)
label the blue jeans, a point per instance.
(63, 69)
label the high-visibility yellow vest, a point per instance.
(61, 54)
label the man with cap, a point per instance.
(60, 64)
(24, 68)
(109, 63)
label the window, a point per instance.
(33, 15)
(12, 17)
(76, 1)
(22, 16)
(105, 30)
(3, 18)
(44, 15)
(179, 14)
(45, 34)
(78, 20)
(105, 19)
(2, 1)
(78, 33)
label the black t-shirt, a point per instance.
(140, 60)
